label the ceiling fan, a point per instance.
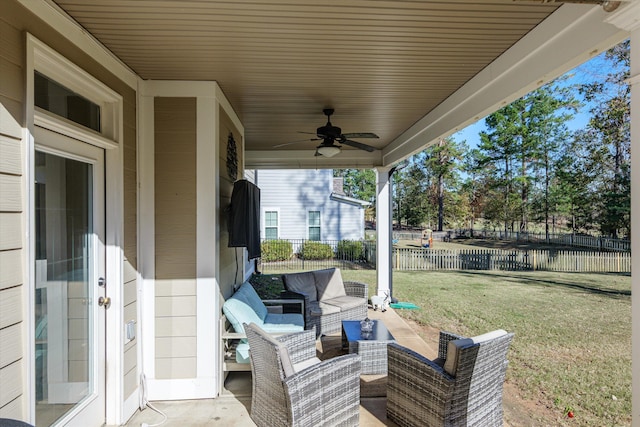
(332, 135)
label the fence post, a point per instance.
(533, 263)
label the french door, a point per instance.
(70, 286)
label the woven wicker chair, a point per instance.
(463, 387)
(292, 387)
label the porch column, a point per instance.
(627, 17)
(383, 231)
(635, 222)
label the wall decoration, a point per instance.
(232, 158)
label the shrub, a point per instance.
(276, 250)
(351, 250)
(312, 250)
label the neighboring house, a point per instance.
(308, 204)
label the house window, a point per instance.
(55, 98)
(271, 225)
(314, 225)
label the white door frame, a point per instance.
(41, 57)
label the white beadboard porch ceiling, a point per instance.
(382, 64)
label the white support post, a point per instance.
(635, 225)
(627, 17)
(383, 231)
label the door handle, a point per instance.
(104, 301)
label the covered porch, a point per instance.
(194, 94)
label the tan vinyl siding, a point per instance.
(171, 368)
(175, 237)
(10, 155)
(12, 222)
(11, 380)
(13, 409)
(11, 349)
(130, 381)
(10, 268)
(11, 190)
(10, 231)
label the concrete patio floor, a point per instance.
(233, 406)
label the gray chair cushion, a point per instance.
(329, 284)
(303, 283)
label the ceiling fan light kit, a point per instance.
(328, 151)
(330, 134)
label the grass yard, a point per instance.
(572, 345)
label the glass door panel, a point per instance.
(67, 323)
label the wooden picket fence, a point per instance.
(511, 260)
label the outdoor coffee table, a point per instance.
(372, 347)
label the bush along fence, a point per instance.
(511, 260)
(298, 255)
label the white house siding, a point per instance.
(175, 238)
(293, 193)
(15, 22)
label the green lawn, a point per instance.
(572, 345)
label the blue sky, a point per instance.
(595, 69)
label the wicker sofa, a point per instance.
(462, 387)
(328, 299)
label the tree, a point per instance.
(442, 161)
(359, 184)
(499, 147)
(522, 143)
(608, 137)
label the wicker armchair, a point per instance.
(292, 387)
(463, 387)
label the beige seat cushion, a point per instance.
(329, 284)
(454, 347)
(345, 302)
(318, 308)
(301, 366)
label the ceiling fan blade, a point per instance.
(360, 135)
(357, 144)
(296, 142)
